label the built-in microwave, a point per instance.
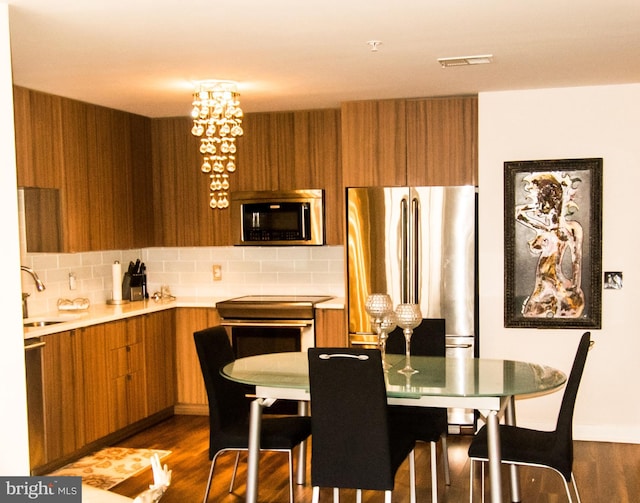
(290, 217)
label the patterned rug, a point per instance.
(108, 467)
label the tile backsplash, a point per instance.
(189, 272)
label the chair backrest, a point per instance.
(564, 425)
(428, 339)
(349, 427)
(227, 401)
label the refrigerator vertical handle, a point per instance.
(414, 252)
(404, 252)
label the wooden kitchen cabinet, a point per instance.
(95, 368)
(114, 376)
(430, 141)
(318, 153)
(159, 352)
(265, 152)
(92, 155)
(63, 392)
(331, 328)
(278, 151)
(181, 191)
(374, 143)
(191, 393)
(442, 141)
(127, 371)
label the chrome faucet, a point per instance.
(39, 286)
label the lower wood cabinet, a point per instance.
(102, 379)
(63, 396)
(331, 328)
(191, 393)
(160, 360)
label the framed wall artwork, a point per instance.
(553, 243)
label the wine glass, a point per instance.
(378, 306)
(388, 323)
(408, 317)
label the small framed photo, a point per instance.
(552, 243)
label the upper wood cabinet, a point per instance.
(97, 157)
(374, 149)
(182, 215)
(431, 141)
(280, 150)
(265, 151)
(294, 150)
(318, 153)
(442, 141)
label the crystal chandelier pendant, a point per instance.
(217, 119)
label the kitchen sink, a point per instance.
(45, 321)
(41, 323)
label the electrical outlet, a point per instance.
(217, 272)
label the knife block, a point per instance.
(133, 286)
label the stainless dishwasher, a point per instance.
(35, 400)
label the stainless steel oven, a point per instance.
(261, 324)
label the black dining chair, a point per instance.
(428, 424)
(354, 443)
(229, 410)
(545, 449)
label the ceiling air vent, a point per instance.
(483, 59)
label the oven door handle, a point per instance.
(267, 323)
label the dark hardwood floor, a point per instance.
(605, 472)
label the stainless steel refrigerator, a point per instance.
(418, 244)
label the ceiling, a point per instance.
(143, 56)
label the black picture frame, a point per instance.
(553, 228)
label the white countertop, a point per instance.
(104, 313)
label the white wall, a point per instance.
(14, 454)
(560, 124)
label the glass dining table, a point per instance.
(486, 385)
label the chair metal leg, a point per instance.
(445, 459)
(412, 474)
(235, 469)
(434, 473)
(336, 495)
(290, 476)
(358, 495)
(315, 498)
(471, 474)
(206, 491)
(575, 487)
(387, 497)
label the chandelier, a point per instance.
(217, 119)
